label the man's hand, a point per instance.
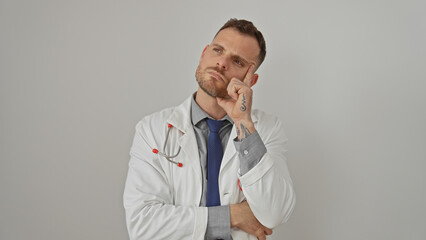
(243, 218)
(238, 106)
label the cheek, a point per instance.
(207, 58)
(236, 73)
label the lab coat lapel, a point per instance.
(181, 119)
(189, 146)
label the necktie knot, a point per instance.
(214, 125)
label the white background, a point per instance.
(347, 78)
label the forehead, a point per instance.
(238, 44)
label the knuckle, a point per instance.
(260, 236)
(267, 231)
(260, 232)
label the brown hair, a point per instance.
(247, 27)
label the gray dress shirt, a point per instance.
(218, 223)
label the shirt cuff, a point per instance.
(218, 223)
(251, 150)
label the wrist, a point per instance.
(233, 215)
(244, 128)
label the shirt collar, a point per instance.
(198, 114)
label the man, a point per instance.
(212, 168)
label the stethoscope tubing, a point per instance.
(170, 157)
(166, 156)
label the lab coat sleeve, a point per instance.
(150, 213)
(267, 186)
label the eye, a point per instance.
(217, 50)
(239, 62)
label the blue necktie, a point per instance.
(214, 158)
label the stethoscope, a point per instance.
(168, 157)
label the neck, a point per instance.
(209, 104)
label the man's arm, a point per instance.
(267, 186)
(242, 217)
(254, 156)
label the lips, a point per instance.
(217, 76)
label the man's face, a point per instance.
(229, 55)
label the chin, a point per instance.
(207, 84)
(212, 91)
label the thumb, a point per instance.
(220, 101)
(224, 103)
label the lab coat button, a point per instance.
(245, 152)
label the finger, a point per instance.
(236, 87)
(267, 231)
(233, 88)
(219, 100)
(249, 75)
(222, 101)
(263, 237)
(260, 235)
(226, 104)
(232, 92)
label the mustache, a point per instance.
(218, 71)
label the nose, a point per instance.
(222, 63)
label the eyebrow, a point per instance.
(234, 55)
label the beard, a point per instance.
(208, 85)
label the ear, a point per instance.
(254, 79)
(204, 50)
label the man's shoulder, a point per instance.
(159, 115)
(162, 116)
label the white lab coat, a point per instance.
(162, 200)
